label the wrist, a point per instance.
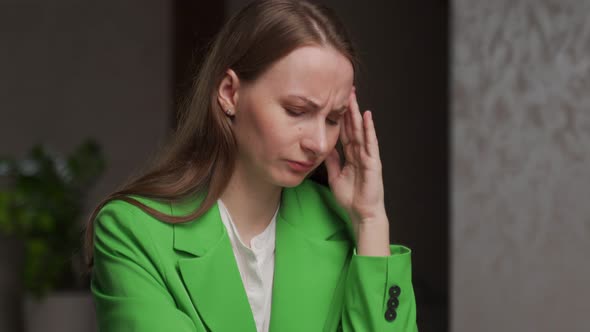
(373, 239)
(375, 217)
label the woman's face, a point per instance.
(276, 124)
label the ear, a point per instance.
(227, 92)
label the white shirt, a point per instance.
(256, 266)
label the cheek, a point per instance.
(270, 134)
(271, 125)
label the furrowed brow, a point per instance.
(314, 106)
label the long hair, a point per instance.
(200, 156)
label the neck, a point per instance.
(251, 203)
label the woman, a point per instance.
(226, 232)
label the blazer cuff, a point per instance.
(395, 249)
(379, 295)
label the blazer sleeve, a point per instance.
(129, 292)
(378, 293)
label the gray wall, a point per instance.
(75, 69)
(520, 165)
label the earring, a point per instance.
(228, 112)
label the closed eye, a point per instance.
(332, 122)
(293, 113)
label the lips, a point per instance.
(299, 166)
(307, 164)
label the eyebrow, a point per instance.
(313, 105)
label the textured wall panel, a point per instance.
(520, 165)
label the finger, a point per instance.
(333, 165)
(356, 121)
(371, 143)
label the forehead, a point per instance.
(314, 71)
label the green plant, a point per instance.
(41, 202)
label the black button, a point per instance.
(394, 291)
(393, 302)
(390, 315)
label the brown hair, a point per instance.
(200, 155)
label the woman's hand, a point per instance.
(358, 186)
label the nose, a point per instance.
(315, 139)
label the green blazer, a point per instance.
(153, 276)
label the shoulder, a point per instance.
(123, 207)
(123, 220)
(127, 237)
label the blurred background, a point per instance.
(482, 110)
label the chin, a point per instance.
(288, 179)
(292, 183)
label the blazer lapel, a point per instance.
(308, 261)
(311, 251)
(210, 273)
